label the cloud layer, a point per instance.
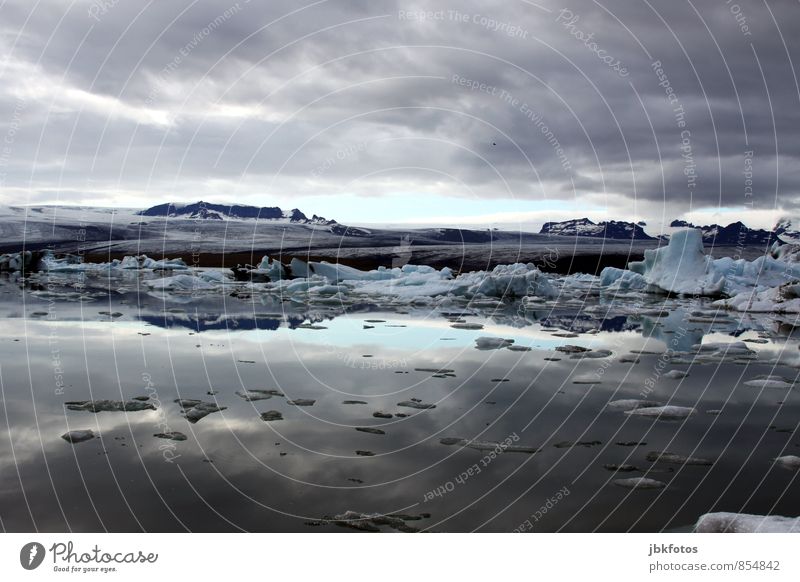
(646, 109)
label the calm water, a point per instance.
(62, 343)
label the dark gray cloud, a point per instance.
(118, 102)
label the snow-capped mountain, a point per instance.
(787, 231)
(209, 211)
(736, 233)
(613, 229)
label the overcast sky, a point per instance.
(375, 111)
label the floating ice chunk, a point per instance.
(587, 379)
(271, 415)
(632, 404)
(663, 412)
(195, 410)
(110, 405)
(78, 436)
(180, 283)
(172, 435)
(474, 326)
(517, 280)
(723, 522)
(301, 402)
(770, 381)
(592, 355)
(620, 468)
(253, 395)
(273, 270)
(415, 404)
(676, 374)
(299, 268)
(489, 445)
(639, 483)
(571, 349)
(370, 430)
(613, 279)
(492, 343)
(372, 522)
(789, 462)
(674, 459)
(214, 276)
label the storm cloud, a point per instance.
(647, 109)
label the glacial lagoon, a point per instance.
(275, 414)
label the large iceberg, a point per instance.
(681, 267)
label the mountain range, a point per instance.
(209, 211)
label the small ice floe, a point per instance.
(791, 462)
(592, 355)
(301, 402)
(723, 522)
(492, 343)
(572, 444)
(413, 403)
(109, 405)
(620, 468)
(770, 381)
(78, 436)
(171, 435)
(353, 402)
(467, 325)
(718, 351)
(587, 379)
(488, 445)
(570, 349)
(676, 374)
(632, 404)
(373, 522)
(370, 430)
(639, 483)
(519, 348)
(435, 370)
(675, 459)
(714, 411)
(194, 410)
(271, 415)
(663, 412)
(253, 395)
